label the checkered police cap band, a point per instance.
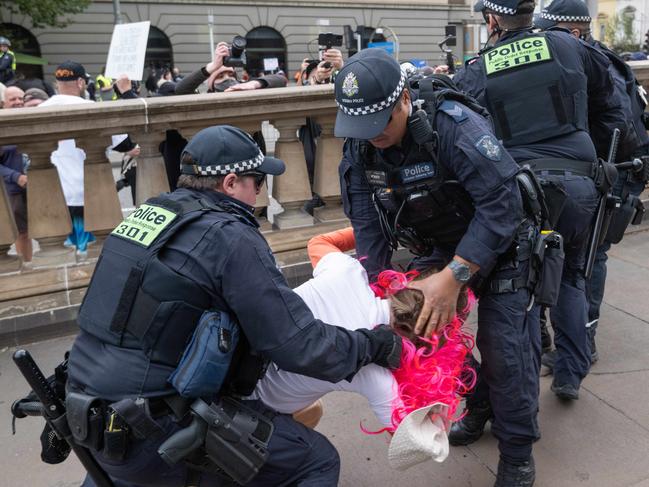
(225, 169)
(565, 18)
(499, 8)
(376, 107)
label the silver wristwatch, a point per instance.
(461, 272)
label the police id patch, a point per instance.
(416, 172)
(144, 225)
(489, 147)
(518, 53)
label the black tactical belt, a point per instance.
(555, 165)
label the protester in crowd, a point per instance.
(7, 61)
(13, 97)
(175, 74)
(321, 72)
(34, 97)
(223, 78)
(27, 83)
(13, 168)
(71, 80)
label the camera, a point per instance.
(237, 57)
(329, 40)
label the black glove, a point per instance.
(385, 346)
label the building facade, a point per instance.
(282, 29)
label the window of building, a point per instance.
(159, 53)
(28, 52)
(265, 43)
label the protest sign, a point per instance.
(127, 50)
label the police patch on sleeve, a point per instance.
(489, 147)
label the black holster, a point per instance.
(225, 437)
(547, 265)
(86, 419)
(627, 212)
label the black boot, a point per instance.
(511, 475)
(471, 426)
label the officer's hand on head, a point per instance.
(335, 57)
(440, 292)
(222, 51)
(385, 346)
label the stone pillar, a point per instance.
(326, 181)
(291, 189)
(48, 216)
(8, 233)
(151, 175)
(102, 211)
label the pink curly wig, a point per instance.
(433, 373)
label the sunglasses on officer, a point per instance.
(260, 178)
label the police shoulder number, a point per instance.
(517, 53)
(145, 224)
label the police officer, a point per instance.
(573, 15)
(179, 254)
(432, 177)
(7, 61)
(545, 92)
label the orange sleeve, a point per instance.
(337, 241)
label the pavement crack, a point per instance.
(626, 312)
(619, 372)
(643, 427)
(480, 461)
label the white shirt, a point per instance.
(68, 158)
(338, 294)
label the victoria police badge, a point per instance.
(350, 85)
(489, 147)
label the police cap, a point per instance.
(509, 7)
(478, 6)
(562, 11)
(367, 88)
(223, 149)
(5, 42)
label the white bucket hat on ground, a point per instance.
(421, 436)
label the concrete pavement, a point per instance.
(601, 440)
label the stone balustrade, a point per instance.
(36, 131)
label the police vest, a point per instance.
(419, 206)
(637, 97)
(530, 94)
(134, 300)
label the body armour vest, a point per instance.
(135, 301)
(531, 93)
(419, 206)
(637, 136)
